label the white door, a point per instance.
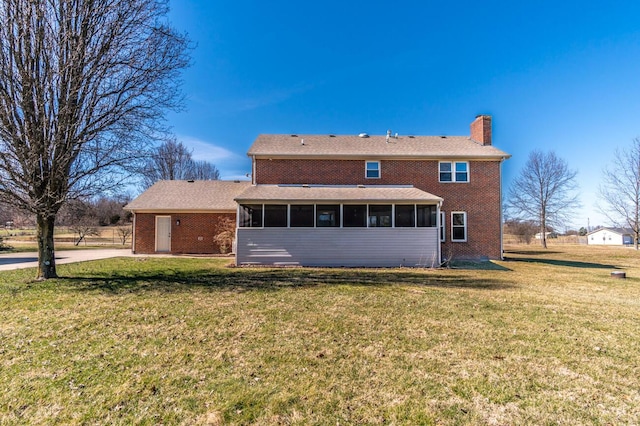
(163, 233)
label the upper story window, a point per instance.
(372, 170)
(454, 171)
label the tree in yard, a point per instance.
(172, 160)
(620, 190)
(83, 89)
(124, 232)
(544, 192)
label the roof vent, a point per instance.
(443, 137)
(411, 136)
(363, 135)
(236, 181)
(332, 136)
(190, 181)
(294, 136)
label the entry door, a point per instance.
(163, 233)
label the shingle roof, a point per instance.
(620, 231)
(372, 146)
(181, 195)
(328, 193)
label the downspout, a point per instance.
(501, 214)
(439, 239)
(133, 235)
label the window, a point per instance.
(275, 215)
(405, 216)
(379, 216)
(301, 216)
(372, 170)
(459, 226)
(354, 215)
(426, 216)
(442, 227)
(328, 216)
(250, 216)
(454, 171)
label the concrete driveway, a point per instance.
(11, 261)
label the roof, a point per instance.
(620, 231)
(336, 193)
(373, 146)
(182, 195)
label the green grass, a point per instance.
(545, 337)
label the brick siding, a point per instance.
(194, 235)
(479, 198)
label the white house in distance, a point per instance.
(610, 237)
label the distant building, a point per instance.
(610, 237)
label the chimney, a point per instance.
(481, 129)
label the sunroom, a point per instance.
(327, 225)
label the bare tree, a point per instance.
(172, 160)
(620, 190)
(83, 87)
(203, 170)
(124, 232)
(544, 191)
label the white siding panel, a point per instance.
(388, 247)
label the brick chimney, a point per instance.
(481, 129)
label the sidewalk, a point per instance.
(10, 261)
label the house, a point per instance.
(610, 236)
(177, 216)
(356, 200)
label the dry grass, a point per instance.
(545, 337)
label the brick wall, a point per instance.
(194, 235)
(479, 198)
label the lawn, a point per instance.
(544, 337)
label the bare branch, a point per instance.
(544, 192)
(83, 89)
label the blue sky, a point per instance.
(562, 76)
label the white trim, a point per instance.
(466, 227)
(442, 227)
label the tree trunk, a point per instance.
(46, 253)
(543, 232)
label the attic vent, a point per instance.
(190, 181)
(332, 136)
(443, 137)
(294, 136)
(363, 135)
(411, 136)
(236, 181)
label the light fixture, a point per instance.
(178, 222)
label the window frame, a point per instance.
(453, 171)
(464, 226)
(377, 170)
(442, 227)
